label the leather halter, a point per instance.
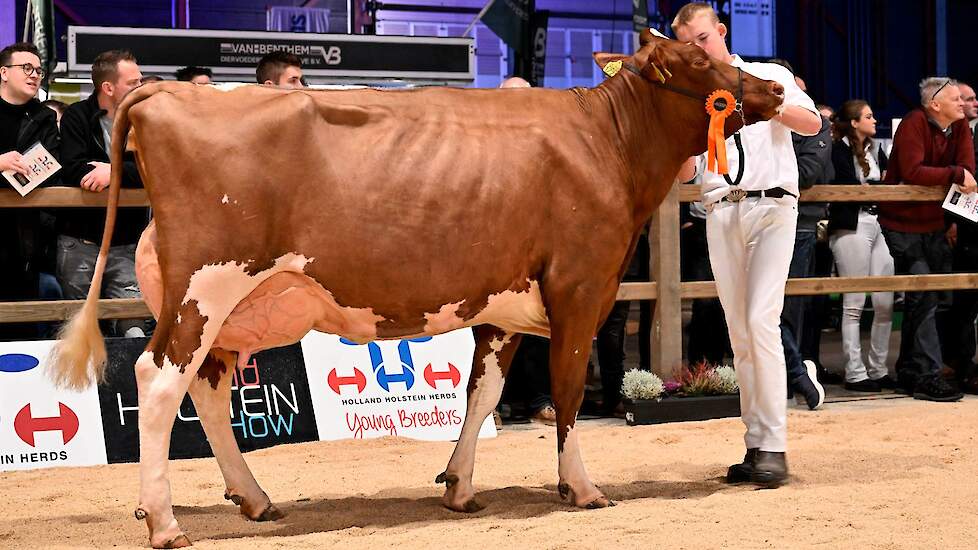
(739, 109)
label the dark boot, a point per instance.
(770, 469)
(740, 473)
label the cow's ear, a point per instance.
(648, 34)
(658, 66)
(603, 59)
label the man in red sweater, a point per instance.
(932, 146)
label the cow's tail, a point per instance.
(79, 357)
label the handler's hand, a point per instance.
(98, 179)
(969, 185)
(13, 160)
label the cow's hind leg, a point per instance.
(494, 351)
(572, 327)
(180, 344)
(211, 392)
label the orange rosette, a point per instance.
(719, 105)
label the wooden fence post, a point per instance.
(667, 323)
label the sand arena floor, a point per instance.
(892, 473)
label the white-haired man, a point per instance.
(932, 146)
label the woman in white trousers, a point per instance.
(859, 247)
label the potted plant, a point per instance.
(700, 393)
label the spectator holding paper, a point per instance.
(932, 146)
(24, 122)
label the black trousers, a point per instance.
(964, 309)
(707, 332)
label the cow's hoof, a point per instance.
(180, 541)
(600, 502)
(468, 507)
(448, 479)
(272, 513)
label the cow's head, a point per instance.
(686, 75)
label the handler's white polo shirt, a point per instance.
(767, 145)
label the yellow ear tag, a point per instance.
(611, 68)
(658, 74)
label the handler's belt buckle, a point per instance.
(736, 195)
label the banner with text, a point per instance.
(42, 426)
(412, 388)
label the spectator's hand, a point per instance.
(951, 236)
(969, 185)
(98, 179)
(686, 225)
(13, 160)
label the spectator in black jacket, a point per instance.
(814, 156)
(86, 130)
(23, 122)
(859, 247)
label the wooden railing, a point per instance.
(668, 290)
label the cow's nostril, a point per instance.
(777, 89)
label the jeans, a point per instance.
(793, 312)
(920, 346)
(76, 266)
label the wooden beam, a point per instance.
(133, 308)
(62, 197)
(59, 310)
(667, 323)
(849, 193)
(818, 285)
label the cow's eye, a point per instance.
(701, 63)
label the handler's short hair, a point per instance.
(273, 64)
(689, 12)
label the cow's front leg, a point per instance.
(211, 392)
(494, 351)
(572, 328)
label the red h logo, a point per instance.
(358, 380)
(26, 425)
(431, 376)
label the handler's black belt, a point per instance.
(737, 195)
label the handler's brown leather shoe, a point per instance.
(770, 469)
(740, 473)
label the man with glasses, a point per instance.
(932, 146)
(23, 123)
(86, 139)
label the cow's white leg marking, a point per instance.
(484, 397)
(216, 289)
(160, 394)
(212, 406)
(574, 481)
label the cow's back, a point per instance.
(407, 201)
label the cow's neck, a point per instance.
(652, 138)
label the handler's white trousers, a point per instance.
(751, 243)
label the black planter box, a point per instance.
(681, 409)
